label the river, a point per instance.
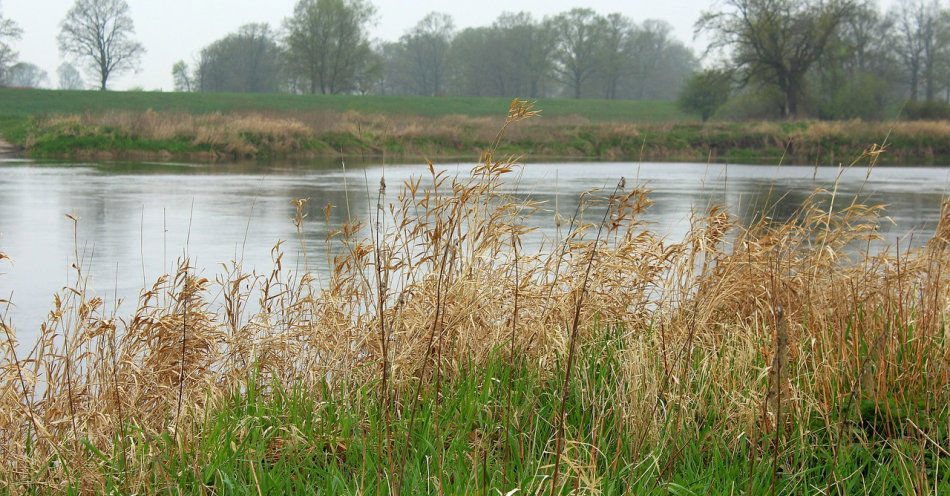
(134, 220)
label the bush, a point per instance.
(705, 92)
(931, 110)
(864, 97)
(753, 103)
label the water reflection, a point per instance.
(135, 220)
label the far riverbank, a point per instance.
(154, 135)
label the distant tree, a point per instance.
(9, 32)
(424, 52)
(249, 60)
(705, 92)
(935, 44)
(69, 77)
(99, 34)
(26, 75)
(527, 50)
(775, 42)
(614, 53)
(660, 63)
(859, 75)
(477, 65)
(182, 78)
(918, 42)
(328, 43)
(579, 33)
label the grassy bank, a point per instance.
(234, 127)
(20, 102)
(440, 356)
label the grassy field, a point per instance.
(441, 357)
(31, 102)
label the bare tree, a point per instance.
(578, 34)
(775, 42)
(69, 77)
(9, 32)
(914, 27)
(99, 34)
(26, 75)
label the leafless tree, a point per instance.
(99, 34)
(69, 77)
(26, 75)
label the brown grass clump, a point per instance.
(754, 328)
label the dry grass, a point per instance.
(432, 287)
(327, 133)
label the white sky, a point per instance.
(178, 29)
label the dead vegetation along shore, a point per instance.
(245, 135)
(773, 354)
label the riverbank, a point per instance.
(217, 127)
(152, 135)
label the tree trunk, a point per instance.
(914, 83)
(930, 87)
(791, 103)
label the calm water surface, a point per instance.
(139, 218)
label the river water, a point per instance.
(136, 219)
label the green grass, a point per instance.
(267, 440)
(22, 102)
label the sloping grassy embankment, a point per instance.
(47, 123)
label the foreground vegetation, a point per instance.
(442, 356)
(230, 127)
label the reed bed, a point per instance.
(441, 356)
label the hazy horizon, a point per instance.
(175, 30)
(178, 29)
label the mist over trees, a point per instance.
(69, 77)
(250, 60)
(830, 59)
(325, 47)
(9, 33)
(26, 75)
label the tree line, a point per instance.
(325, 47)
(765, 58)
(831, 59)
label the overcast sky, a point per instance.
(178, 29)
